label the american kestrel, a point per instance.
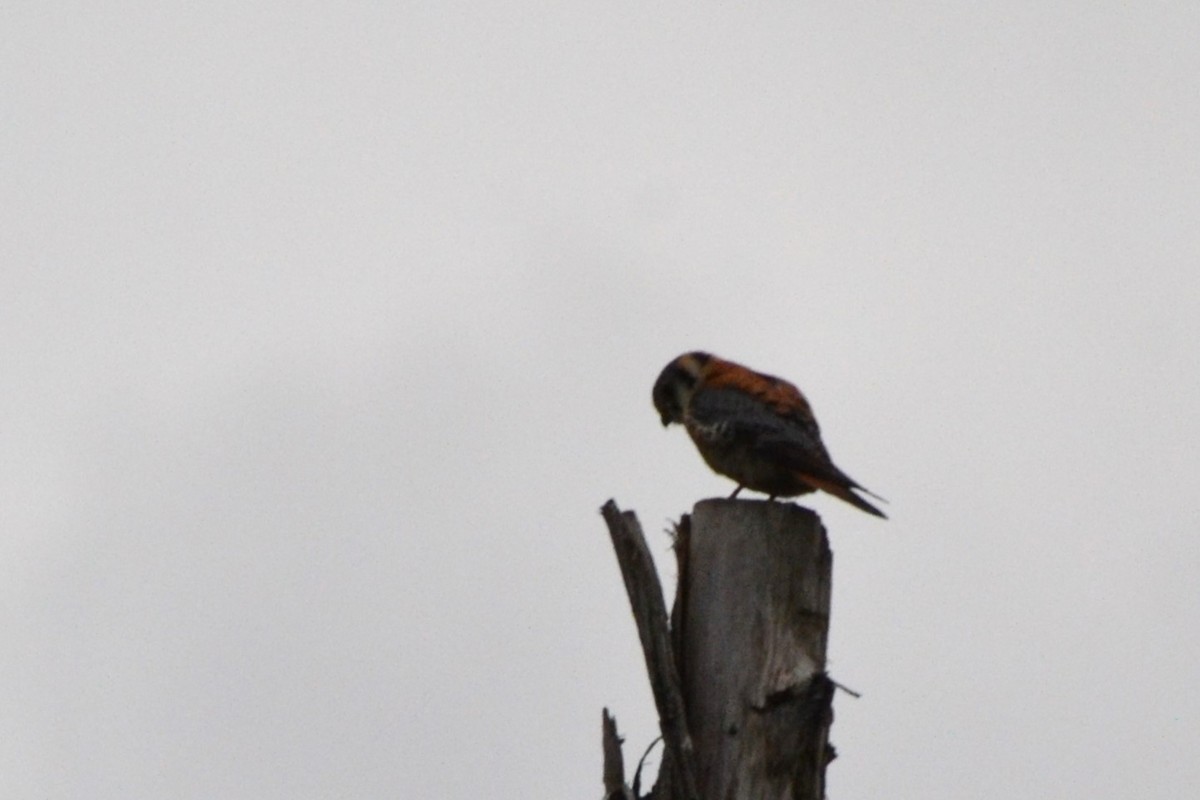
(754, 428)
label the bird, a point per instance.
(752, 427)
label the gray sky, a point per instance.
(328, 331)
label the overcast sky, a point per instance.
(327, 331)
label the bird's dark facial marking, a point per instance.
(674, 385)
(666, 399)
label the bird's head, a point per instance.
(675, 384)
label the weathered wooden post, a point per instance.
(739, 676)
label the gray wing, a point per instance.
(727, 417)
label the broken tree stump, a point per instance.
(650, 613)
(746, 650)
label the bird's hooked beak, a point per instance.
(666, 421)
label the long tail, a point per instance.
(846, 493)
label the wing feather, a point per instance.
(779, 395)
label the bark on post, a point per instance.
(750, 627)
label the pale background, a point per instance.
(327, 329)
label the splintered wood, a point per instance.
(746, 656)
